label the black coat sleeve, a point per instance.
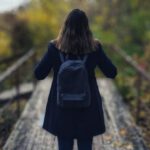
(43, 67)
(105, 64)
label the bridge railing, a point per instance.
(12, 77)
(142, 77)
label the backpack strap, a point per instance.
(85, 58)
(62, 57)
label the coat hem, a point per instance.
(65, 136)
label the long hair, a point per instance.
(75, 35)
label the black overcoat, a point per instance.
(80, 123)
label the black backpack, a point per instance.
(73, 90)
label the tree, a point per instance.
(21, 37)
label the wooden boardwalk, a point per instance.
(121, 131)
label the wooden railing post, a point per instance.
(34, 61)
(138, 85)
(17, 85)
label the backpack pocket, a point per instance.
(73, 97)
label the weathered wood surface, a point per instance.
(121, 132)
(25, 89)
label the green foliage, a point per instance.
(44, 20)
(5, 40)
(21, 37)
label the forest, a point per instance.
(124, 24)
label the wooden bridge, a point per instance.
(122, 133)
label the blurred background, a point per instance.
(26, 27)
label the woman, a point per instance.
(75, 39)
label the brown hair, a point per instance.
(75, 35)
